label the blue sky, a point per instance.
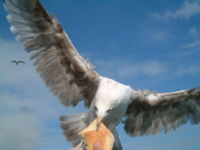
(146, 44)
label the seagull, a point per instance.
(17, 62)
(73, 79)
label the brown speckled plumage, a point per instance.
(69, 76)
(169, 111)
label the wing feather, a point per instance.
(150, 113)
(69, 76)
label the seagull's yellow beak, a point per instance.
(99, 120)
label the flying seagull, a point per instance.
(73, 79)
(17, 62)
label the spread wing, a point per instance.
(150, 113)
(69, 76)
(13, 61)
(21, 62)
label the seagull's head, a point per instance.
(110, 96)
(101, 113)
(102, 109)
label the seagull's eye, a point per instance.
(95, 108)
(108, 110)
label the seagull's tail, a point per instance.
(72, 125)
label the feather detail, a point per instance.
(69, 76)
(150, 112)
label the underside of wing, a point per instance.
(150, 113)
(69, 76)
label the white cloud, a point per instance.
(156, 70)
(195, 35)
(195, 43)
(184, 55)
(148, 68)
(124, 68)
(153, 68)
(156, 35)
(186, 11)
(183, 144)
(26, 104)
(188, 70)
(153, 35)
(194, 32)
(38, 105)
(19, 132)
(22, 88)
(13, 75)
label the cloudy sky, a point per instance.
(147, 44)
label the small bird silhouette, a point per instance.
(17, 62)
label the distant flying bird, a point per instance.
(17, 62)
(73, 79)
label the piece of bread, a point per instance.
(101, 139)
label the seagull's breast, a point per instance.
(116, 115)
(113, 91)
